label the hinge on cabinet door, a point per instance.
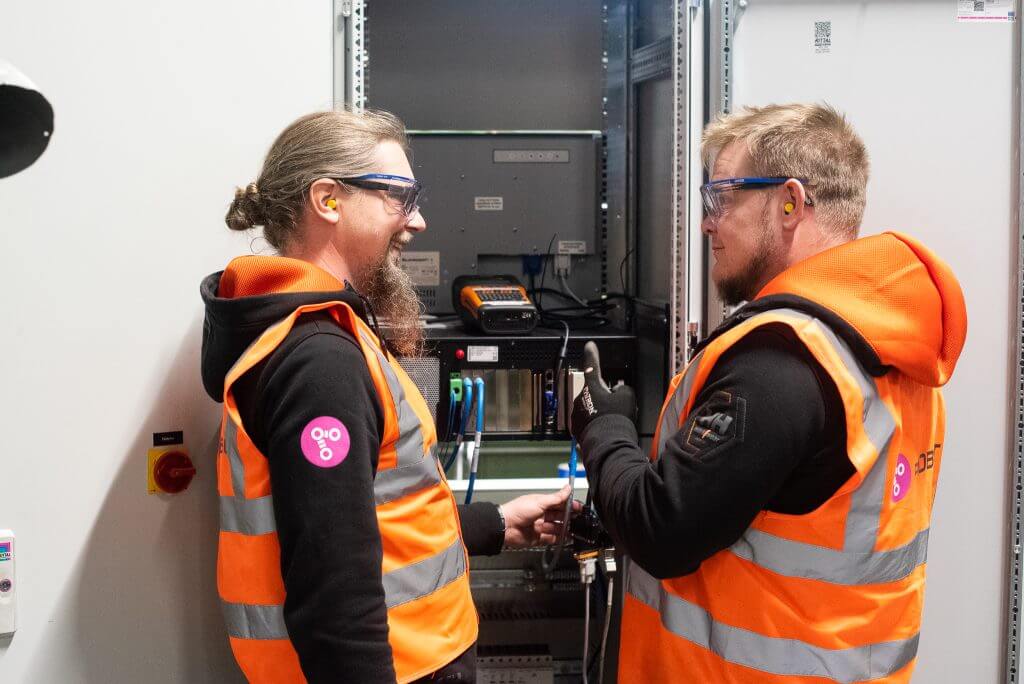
(692, 337)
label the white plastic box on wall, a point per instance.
(8, 586)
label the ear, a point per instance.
(325, 199)
(793, 205)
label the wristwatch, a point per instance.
(504, 525)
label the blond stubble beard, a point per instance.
(743, 285)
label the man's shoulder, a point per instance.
(771, 356)
(775, 337)
(318, 363)
(316, 339)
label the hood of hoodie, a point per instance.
(249, 296)
(895, 293)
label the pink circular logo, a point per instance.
(325, 442)
(901, 478)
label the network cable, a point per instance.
(443, 442)
(568, 291)
(453, 425)
(549, 564)
(588, 561)
(473, 447)
(607, 624)
(586, 627)
(467, 408)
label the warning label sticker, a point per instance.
(572, 246)
(423, 267)
(489, 203)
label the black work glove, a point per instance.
(597, 399)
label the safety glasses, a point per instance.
(714, 196)
(406, 194)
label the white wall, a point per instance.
(161, 109)
(935, 103)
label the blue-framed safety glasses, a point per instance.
(713, 194)
(405, 193)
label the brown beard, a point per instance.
(745, 285)
(393, 297)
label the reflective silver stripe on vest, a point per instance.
(247, 516)
(879, 425)
(864, 517)
(768, 654)
(857, 563)
(674, 409)
(234, 458)
(395, 483)
(410, 432)
(237, 513)
(808, 561)
(415, 472)
(425, 577)
(246, 621)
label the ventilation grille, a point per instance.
(424, 371)
(428, 297)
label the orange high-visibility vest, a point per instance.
(431, 617)
(833, 595)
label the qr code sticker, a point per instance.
(822, 36)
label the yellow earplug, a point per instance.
(332, 203)
(789, 207)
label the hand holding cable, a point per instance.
(535, 519)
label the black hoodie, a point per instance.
(326, 521)
(888, 297)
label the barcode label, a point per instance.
(488, 354)
(986, 10)
(822, 36)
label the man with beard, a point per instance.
(778, 531)
(342, 553)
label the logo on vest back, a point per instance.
(904, 473)
(901, 478)
(325, 442)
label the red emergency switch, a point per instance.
(459, 354)
(173, 472)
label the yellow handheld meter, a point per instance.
(494, 305)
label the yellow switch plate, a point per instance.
(152, 456)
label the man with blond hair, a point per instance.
(778, 532)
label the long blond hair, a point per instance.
(323, 144)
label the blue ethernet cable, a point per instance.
(443, 444)
(467, 400)
(549, 564)
(474, 447)
(467, 410)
